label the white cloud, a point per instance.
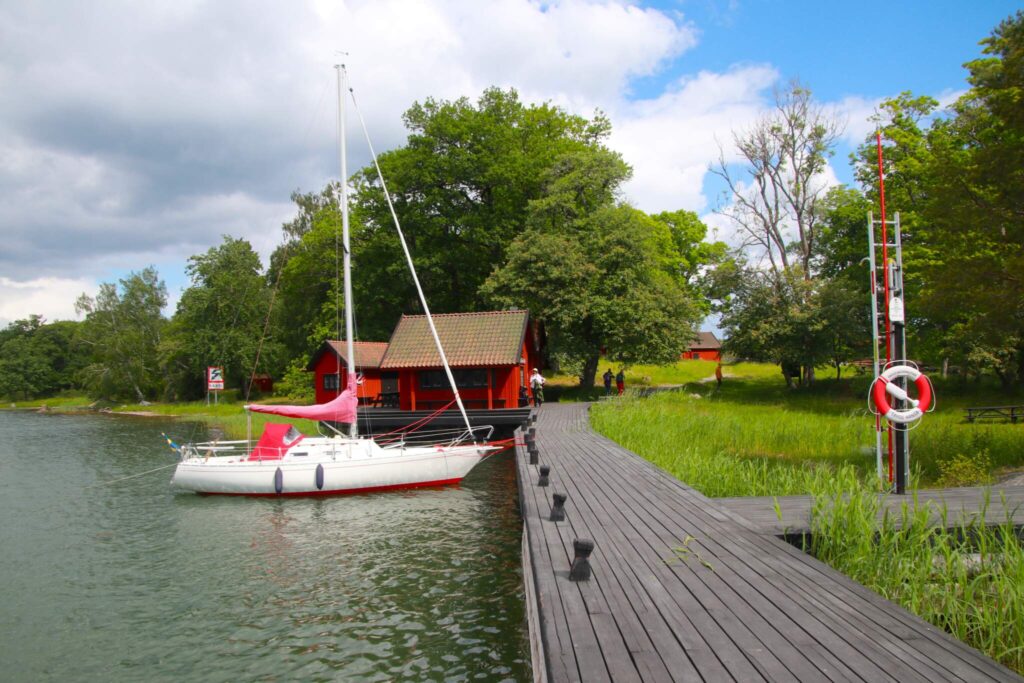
(670, 140)
(56, 296)
(142, 132)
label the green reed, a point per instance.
(961, 576)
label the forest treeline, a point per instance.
(512, 205)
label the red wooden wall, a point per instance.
(328, 365)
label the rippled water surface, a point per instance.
(132, 581)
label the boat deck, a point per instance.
(684, 589)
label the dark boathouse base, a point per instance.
(378, 420)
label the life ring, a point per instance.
(885, 384)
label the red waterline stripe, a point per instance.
(336, 492)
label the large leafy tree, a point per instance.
(221, 320)
(601, 275)
(460, 187)
(960, 179)
(121, 336)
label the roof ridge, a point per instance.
(466, 314)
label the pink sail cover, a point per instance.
(275, 442)
(341, 409)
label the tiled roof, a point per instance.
(368, 354)
(706, 340)
(469, 339)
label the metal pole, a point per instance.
(347, 253)
(898, 311)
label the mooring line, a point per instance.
(132, 476)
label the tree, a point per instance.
(36, 358)
(962, 179)
(461, 187)
(221, 320)
(777, 204)
(121, 336)
(600, 274)
(781, 187)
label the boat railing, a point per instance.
(448, 437)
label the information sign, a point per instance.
(214, 379)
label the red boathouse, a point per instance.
(705, 347)
(491, 355)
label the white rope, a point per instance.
(412, 268)
(132, 476)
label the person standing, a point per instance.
(537, 384)
(718, 373)
(608, 382)
(620, 381)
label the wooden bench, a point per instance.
(1011, 413)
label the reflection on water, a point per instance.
(135, 582)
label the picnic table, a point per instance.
(1011, 413)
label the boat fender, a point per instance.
(320, 477)
(278, 480)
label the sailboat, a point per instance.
(286, 462)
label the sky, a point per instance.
(139, 133)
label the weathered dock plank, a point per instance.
(688, 588)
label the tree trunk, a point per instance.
(138, 392)
(839, 371)
(945, 367)
(808, 375)
(589, 373)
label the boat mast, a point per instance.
(347, 253)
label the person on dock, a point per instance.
(608, 382)
(620, 381)
(537, 384)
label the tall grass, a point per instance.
(734, 449)
(754, 437)
(968, 581)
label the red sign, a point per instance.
(214, 379)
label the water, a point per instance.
(133, 581)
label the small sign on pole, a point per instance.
(214, 379)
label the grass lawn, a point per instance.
(755, 437)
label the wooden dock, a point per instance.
(988, 506)
(684, 589)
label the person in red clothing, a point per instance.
(620, 381)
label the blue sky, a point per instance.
(141, 133)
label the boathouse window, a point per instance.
(331, 382)
(465, 379)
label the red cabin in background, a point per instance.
(330, 368)
(491, 355)
(705, 347)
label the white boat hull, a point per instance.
(347, 466)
